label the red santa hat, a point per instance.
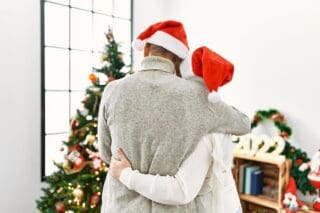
(291, 202)
(214, 69)
(167, 34)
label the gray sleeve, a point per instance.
(219, 116)
(104, 134)
(227, 119)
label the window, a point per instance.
(72, 38)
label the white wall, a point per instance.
(146, 12)
(20, 105)
(276, 51)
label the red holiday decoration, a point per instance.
(314, 176)
(97, 163)
(75, 147)
(78, 164)
(291, 203)
(299, 162)
(95, 199)
(74, 124)
(60, 207)
(316, 205)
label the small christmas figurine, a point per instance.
(314, 176)
(291, 203)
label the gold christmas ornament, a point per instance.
(91, 139)
(78, 193)
(82, 132)
(93, 78)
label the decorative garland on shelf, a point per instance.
(296, 155)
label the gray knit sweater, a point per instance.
(157, 118)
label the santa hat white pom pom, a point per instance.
(213, 97)
(138, 44)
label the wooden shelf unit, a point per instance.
(283, 169)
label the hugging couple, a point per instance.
(165, 132)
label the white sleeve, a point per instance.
(173, 190)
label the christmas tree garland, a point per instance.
(296, 155)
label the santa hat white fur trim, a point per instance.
(137, 44)
(164, 40)
(186, 67)
(214, 97)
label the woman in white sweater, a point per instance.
(206, 170)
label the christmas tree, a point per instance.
(77, 185)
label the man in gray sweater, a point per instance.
(157, 118)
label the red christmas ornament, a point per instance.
(94, 199)
(60, 207)
(74, 124)
(316, 205)
(79, 163)
(299, 162)
(97, 163)
(74, 147)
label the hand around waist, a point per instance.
(117, 166)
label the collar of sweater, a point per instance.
(157, 63)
